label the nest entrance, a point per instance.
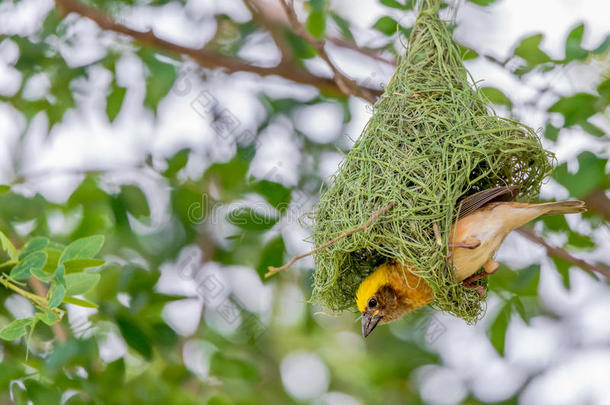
(431, 141)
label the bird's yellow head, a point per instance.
(388, 293)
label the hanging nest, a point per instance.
(432, 140)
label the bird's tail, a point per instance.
(562, 207)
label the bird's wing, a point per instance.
(475, 201)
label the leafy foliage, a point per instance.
(107, 251)
(30, 262)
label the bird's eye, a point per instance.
(372, 303)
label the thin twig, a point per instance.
(368, 52)
(363, 227)
(40, 290)
(276, 18)
(563, 254)
(275, 29)
(35, 299)
(208, 58)
(345, 84)
(40, 301)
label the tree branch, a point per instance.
(259, 15)
(597, 201)
(207, 58)
(368, 52)
(563, 254)
(275, 17)
(345, 84)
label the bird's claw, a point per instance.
(478, 288)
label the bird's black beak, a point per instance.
(368, 323)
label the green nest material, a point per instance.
(432, 140)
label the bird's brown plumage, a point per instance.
(490, 224)
(484, 221)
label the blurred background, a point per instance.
(196, 134)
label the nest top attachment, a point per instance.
(432, 141)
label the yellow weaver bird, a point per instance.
(484, 220)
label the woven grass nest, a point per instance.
(432, 140)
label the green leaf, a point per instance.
(396, 4)
(189, 205)
(576, 108)
(56, 245)
(56, 294)
(114, 101)
(563, 268)
(316, 20)
(529, 50)
(467, 53)
(275, 193)
(160, 79)
(580, 241)
(84, 248)
(229, 175)
(80, 283)
(177, 162)
(135, 200)
(526, 281)
(33, 245)
(80, 302)
(47, 317)
(16, 329)
(229, 367)
(592, 129)
(219, 400)
(523, 283)
(77, 265)
(496, 96)
(603, 47)
(8, 247)
(59, 275)
(574, 50)
(134, 336)
(498, 328)
(42, 275)
(386, 25)
(483, 3)
(343, 25)
(4, 188)
(251, 220)
(604, 90)
(591, 175)
(272, 255)
(24, 269)
(301, 48)
(555, 223)
(551, 132)
(53, 256)
(520, 308)
(71, 353)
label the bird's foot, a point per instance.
(468, 282)
(478, 288)
(469, 243)
(491, 266)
